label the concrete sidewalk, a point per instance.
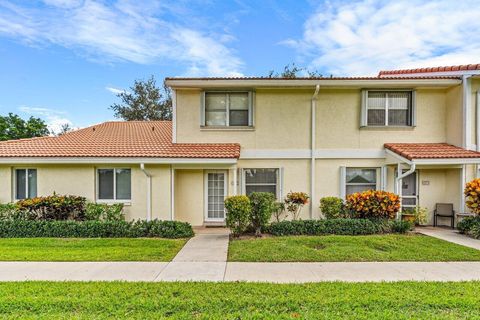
(240, 271)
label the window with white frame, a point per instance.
(389, 108)
(114, 184)
(360, 179)
(25, 183)
(227, 109)
(261, 180)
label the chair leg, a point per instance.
(435, 220)
(453, 222)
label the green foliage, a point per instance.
(238, 214)
(54, 207)
(279, 213)
(262, 207)
(466, 224)
(373, 204)
(294, 202)
(419, 213)
(94, 229)
(401, 226)
(328, 226)
(104, 212)
(332, 207)
(14, 127)
(8, 211)
(293, 71)
(144, 102)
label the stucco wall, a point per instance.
(189, 196)
(282, 120)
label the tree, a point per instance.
(65, 128)
(145, 102)
(14, 127)
(293, 71)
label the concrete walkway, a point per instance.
(449, 235)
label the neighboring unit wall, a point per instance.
(338, 121)
(454, 117)
(189, 196)
(80, 180)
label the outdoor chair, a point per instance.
(444, 210)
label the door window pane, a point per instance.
(216, 195)
(21, 184)
(105, 184)
(123, 184)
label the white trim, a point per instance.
(235, 180)
(114, 160)
(448, 161)
(463, 181)
(313, 146)
(343, 182)
(174, 116)
(302, 83)
(172, 193)
(477, 107)
(225, 194)
(467, 121)
(306, 154)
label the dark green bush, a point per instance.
(329, 226)
(54, 207)
(94, 229)
(401, 226)
(466, 224)
(262, 207)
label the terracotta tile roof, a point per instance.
(313, 78)
(118, 139)
(464, 67)
(413, 151)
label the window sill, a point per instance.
(388, 128)
(124, 202)
(227, 128)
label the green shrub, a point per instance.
(465, 225)
(8, 211)
(398, 226)
(332, 207)
(262, 207)
(373, 204)
(330, 226)
(279, 213)
(238, 214)
(94, 229)
(54, 207)
(104, 212)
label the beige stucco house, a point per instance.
(414, 132)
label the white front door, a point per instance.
(215, 193)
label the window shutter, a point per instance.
(202, 109)
(343, 186)
(251, 97)
(363, 110)
(280, 183)
(240, 187)
(383, 178)
(414, 108)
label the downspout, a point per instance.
(398, 180)
(312, 149)
(477, 122)
(467, 125)
(149, 191)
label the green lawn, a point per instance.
(349, 248)
(95, 300)
(68, 249)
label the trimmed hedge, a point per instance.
(336, 226)
(95, 229)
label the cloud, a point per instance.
(121, 30)
(363, 37)
(55, 119)
(115, 90)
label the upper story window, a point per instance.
(114, 184)
(25, 183)
(227, 109)
(388, 108)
